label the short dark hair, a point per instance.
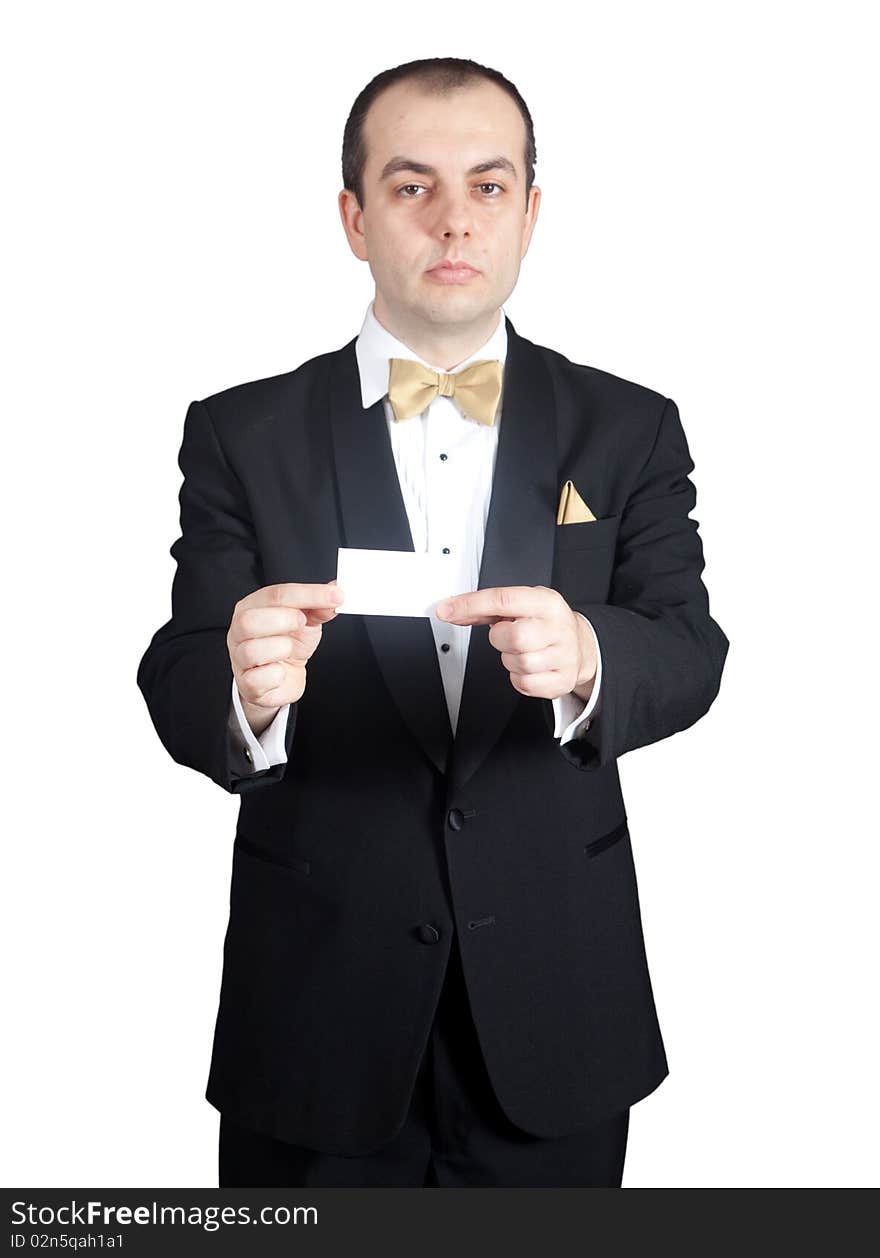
(434, 74)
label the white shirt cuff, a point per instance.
(571, 713)
(268, 749)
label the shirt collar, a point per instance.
(375, 345)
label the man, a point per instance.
(434, 970)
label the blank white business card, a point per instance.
(391, 582)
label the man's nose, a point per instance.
(454, 215)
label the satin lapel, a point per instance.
(374, 517)
(519, 542)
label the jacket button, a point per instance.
(428, 934)
(455, 819)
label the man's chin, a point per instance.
(449, 307)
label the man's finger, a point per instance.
(543, 661)
(255, 652)
(318, 616)
(295, 594)
(506, 601)
(534, 685)
(526, 633)
(266, 622)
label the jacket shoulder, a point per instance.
(581, 379)
(256, 401)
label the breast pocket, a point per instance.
(589, 534)
(584, 559)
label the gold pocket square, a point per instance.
(572, 508)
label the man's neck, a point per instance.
(444, 347)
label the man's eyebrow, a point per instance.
(398, 164)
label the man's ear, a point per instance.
(353, 221)
(531, 218)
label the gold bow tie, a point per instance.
(476, 389)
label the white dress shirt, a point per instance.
(445, 463)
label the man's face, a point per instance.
(425, 203)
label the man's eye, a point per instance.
(414, 188)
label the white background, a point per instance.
(708, 229)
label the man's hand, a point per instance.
(546, 647)
(273, 634)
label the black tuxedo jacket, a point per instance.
(355, 861)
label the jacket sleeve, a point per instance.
(662, 652)
(185, 674)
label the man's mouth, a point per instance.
(452, 271)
